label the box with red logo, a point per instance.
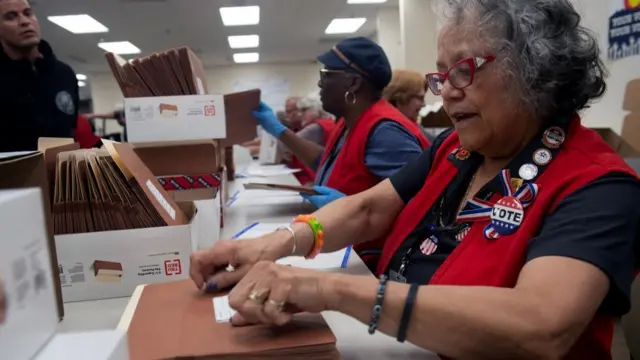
(175, 118)
(111, 264)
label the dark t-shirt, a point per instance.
(598, 223)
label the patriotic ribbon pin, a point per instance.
(506, 214)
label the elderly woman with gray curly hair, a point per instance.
(513, 236)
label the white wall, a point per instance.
(302, 78)
(388, 36)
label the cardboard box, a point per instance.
(190, 171)
(28, 170)
(94, 345)
(631, 123)
(208, 203)
(618, 143)
(110, 264)
(175, 118)
(27, 280)
(269, 150)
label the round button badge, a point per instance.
(553, 137)
(528, 172)
(507, 215)
(542, 156)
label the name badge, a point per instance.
(394, 276)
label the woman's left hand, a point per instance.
(272, 294)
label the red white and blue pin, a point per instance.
(507, 214)
(429, 246)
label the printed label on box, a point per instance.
(163, 202)
(117, 271)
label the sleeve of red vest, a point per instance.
(84, 135)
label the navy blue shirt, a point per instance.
(38, 99)
(389, 148)
(587, 225)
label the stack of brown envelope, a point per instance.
(175, 321)
(104, 190)
(180, 72)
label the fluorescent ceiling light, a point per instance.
(81, 77)
(244, 41)
(246, 58)
(79, 24)
(366, 1)
(81, 83)
(119, 47)
(345, 25)
(240, 15)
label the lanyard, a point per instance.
(332, 156)
(435, 232)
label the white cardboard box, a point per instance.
(146, 256)
(175, 118)
(208, 221)
(94, 345)
(208, 212)
(268, 149)
(25, 268)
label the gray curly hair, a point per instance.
(553, 60)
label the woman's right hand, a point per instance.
(208, 268)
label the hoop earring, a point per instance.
(353, 98)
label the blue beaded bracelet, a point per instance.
(377, 308)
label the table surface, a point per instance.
(353, 340)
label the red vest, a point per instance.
(584, 157)
(306, 175)
(350, 174)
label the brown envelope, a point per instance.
(172, 74)
(241, 124)
(129, 81)
(175, 320)
(193, 71)
(174, 59)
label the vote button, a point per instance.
(507, 215)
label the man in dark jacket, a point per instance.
(38, 93)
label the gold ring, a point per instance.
(278, 304)
(258, 296)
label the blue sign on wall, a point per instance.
(624, 34)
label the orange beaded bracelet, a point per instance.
(318, 233)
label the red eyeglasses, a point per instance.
(460, 75)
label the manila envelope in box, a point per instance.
(110, 264)
(191, 171)
(25, 170)
(134, 169)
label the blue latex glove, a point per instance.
(268, 120)
(325, 196)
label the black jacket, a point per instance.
(36, 100)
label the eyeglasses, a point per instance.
(460, 75)
(325, 72)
